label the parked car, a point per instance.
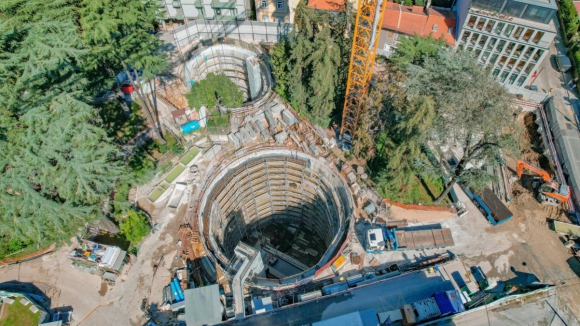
(562, 62)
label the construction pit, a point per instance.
(288, 206)
(243, 63)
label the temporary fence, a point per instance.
(200, 29)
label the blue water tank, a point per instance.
(190, 127)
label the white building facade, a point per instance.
(512, 37)
(185, 10)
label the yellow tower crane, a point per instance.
(369, 19)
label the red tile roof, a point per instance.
(413, 20)
(332, 5)
(408, 20)
(577, 6)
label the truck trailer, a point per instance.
(383, 238)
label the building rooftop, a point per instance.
(203, 306)
(359, 318)
(382, 296)
(577, 6)
(332, 5)
(417, 20)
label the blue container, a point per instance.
(178, 288)
(189, 127)
(175, 293)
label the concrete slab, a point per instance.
(24, 301)
(8, 300)
(33, 309)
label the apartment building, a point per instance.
(510, 36)
(185, 10)
(281, 11)
(400, 20)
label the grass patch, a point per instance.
(155, 194)
(164, 185)
(217, 121)
(189, 156)
(420, 191)
(174, 173)
(17, 314)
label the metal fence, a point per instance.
(200, 29)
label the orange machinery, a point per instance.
(550, 192)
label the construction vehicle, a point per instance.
(390, 239)
(367, 30)
(549, 192)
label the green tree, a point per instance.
(415, 49)
(311, 66)
(121, 38)
(215, 89)
(134, 226)
(473, 112)
(57, 165)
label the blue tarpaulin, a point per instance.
(449, 302)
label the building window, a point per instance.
(435, 28)
(491, 5)
(471, 21)
(538, 37)
(450, 30)
(518, 32)
(512, 79)
(528, 34)
(499, 27)
(538, 55)
(491, 43)
(493, 59)
(264, 4)
(489, 26)
(265, 18)
(485, 56)
(279, 4)
(387, 48)
(521, 81)
(389, 33)
(508, 30)
(500, 45)
(480, 23)
(514, 8)
(538, 14)
(465, 37)
(503, 76)
(280, 19)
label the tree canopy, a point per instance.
(311, 65)
(214, 89)
(58, 164)
(431, 97)
(473, 112)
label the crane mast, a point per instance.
(367, 29)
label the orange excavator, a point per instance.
(550, 192)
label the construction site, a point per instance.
(276, 217)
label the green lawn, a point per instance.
(164, 185)
(189, 156)
(174, 173)
(155, 194)
(17, 314)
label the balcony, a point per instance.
(198, 4)
(176, 4)
(223, 5)
(225, 17)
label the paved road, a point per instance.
(385, 296)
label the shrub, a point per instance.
(134, 226)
